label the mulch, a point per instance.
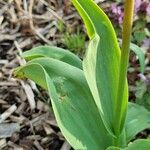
(26, 121)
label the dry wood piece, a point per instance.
(32, 26)
(8, 37)
(48, 129)
(33, 137)
(42, 106)
(7, 129)
(1, 19)
(21, 60)
(2, 102)
(14, 146)
(65, 146)
(7, 113)
(21, 119)
(37, 145)
(30, 94)
(3, 62)
(8, 83)
(38, 120)
(3, 143)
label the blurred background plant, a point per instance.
(74, 39)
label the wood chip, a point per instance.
(38, 120)
(8, 83)
(2, 101)
(37, 145)
(3, 143)
(1, 19)
(42, 106)
(7, 113)
(48, 129)
(33, 137)
(14, 146)
(3, 62)
(66, 146)
(21, 119)
(7, 129)
(30, 94)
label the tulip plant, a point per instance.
(90, 97)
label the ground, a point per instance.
(25, 108)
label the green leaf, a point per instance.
(74, 42)
(145, 101)
(143, 94)
(101, 64)
(53, 52)
(138, 119)
(71, 99)
(139, 145)
(139, 36)
(87, 21)
(142, 144)
(139, 52)
(141, 89)
(113, 148)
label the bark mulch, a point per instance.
(26, 121)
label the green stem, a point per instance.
(119, 117)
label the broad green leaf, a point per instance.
(72, 102)
(143, 94)
(113, 148)
(145, 101)
(138, 119)
(53, 52)
(140, 54)
(139, 36)
(101, 64)
(142, 144)
(87, 21)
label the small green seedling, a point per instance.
(74, 42)
(90, 98)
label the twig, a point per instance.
(25, 5)
(65, 146)
(1, 19)
(27, 88)
(18, 5)
(50, 10)
(37, 145)
(30, 94)
(21, 61)
(32, 25)
(3, 143)
(7, 113)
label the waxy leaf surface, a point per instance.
(142, 144)
(140, 54)
(101, 63)
(53, 52)
(138, 119)
(74, 108)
